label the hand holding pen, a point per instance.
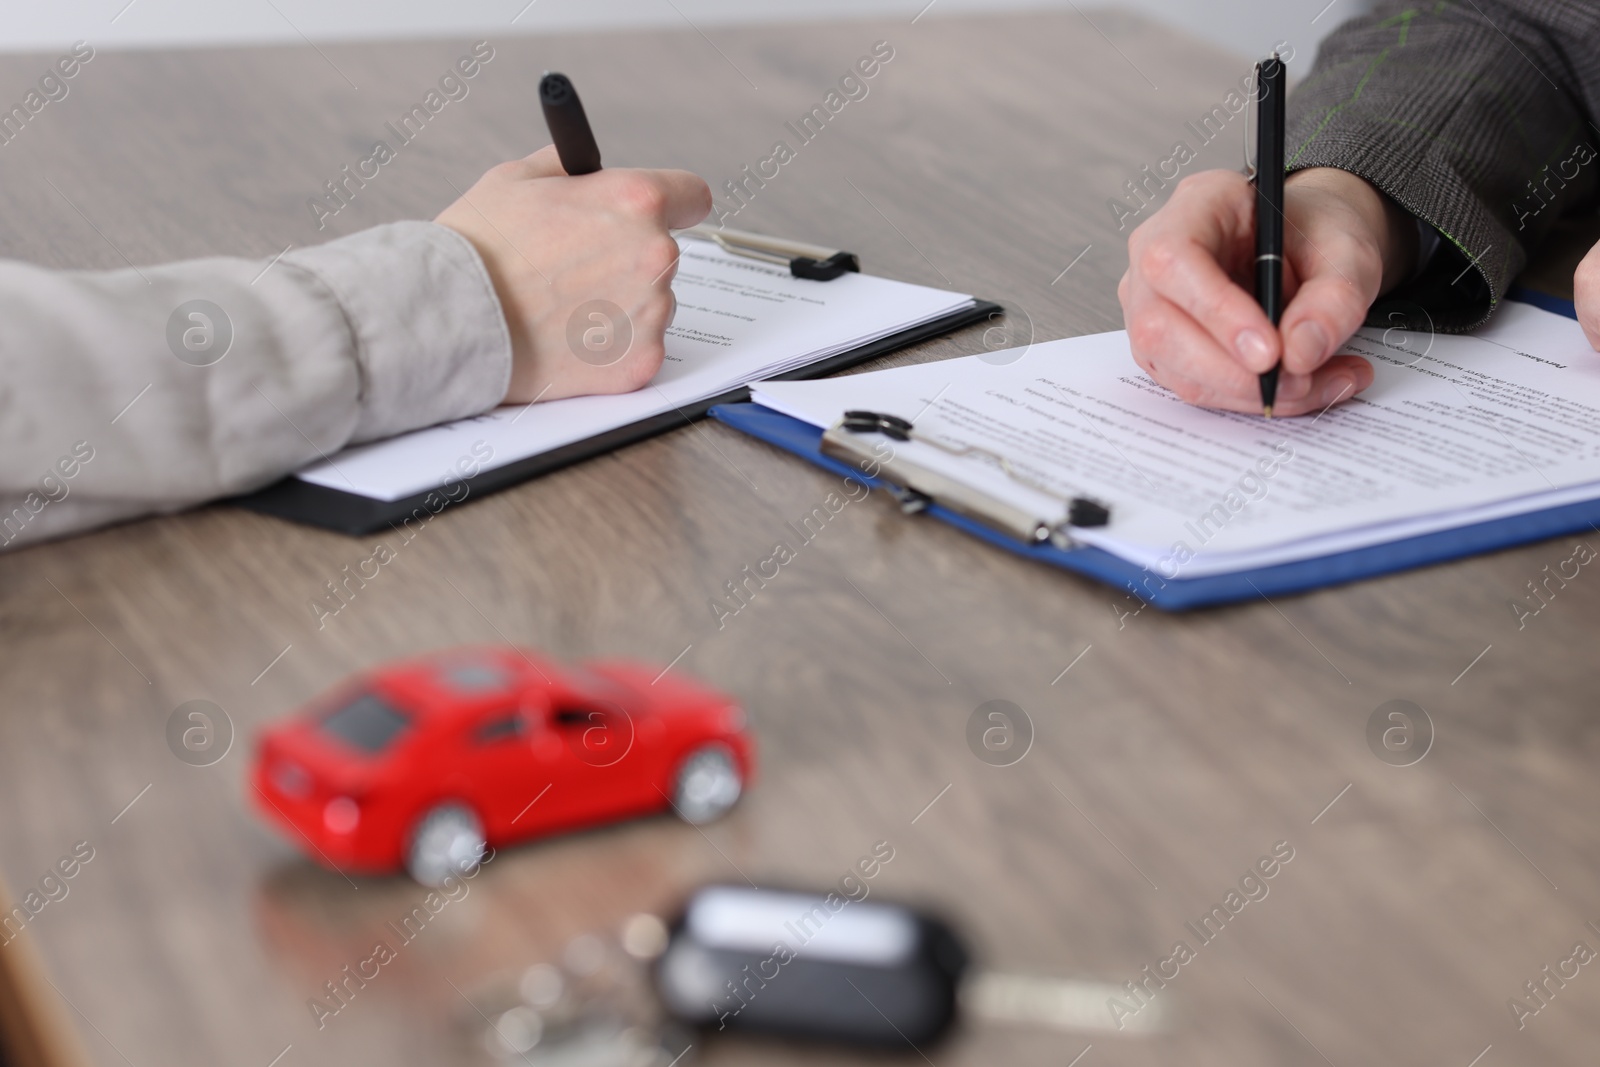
(1193, 321)
(581, 259)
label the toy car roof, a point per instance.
(460, 679)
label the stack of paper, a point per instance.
(738, 320)
(1454, 431)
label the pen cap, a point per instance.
(569, 126)
(556, 90)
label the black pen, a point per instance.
(569, 126)
(1269, 206)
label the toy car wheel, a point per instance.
(448, 840)
(708, 784)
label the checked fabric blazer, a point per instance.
(1477, 116)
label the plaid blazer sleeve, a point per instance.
(1473, 116)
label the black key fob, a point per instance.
(811, 966)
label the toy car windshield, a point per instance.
(368, 723)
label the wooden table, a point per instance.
(1172, 754)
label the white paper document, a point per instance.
(1455, 430)
(738, 320)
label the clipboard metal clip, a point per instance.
(808, 261)
(916, 488)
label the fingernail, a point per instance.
(1294, 386)
(1338, 388)
(1308, 344)
(1253, 349)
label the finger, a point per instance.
(1291, 387)
(1337, 283)
(687, 197)
(1184, 357)
(1151, 310)
(545, 163)
(677, 199)
(1300, 394)
(1295, 393)
(1197, 252)
(1335, 382)
(1187, 273)
(652, 316)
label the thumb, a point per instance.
(545, 163)
(1336, 286)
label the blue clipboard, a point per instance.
(1181, 594)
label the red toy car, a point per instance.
(422, 764)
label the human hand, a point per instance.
(1586, 295)
(554, 243)
(1192, 321)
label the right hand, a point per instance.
(1195, 327)
(552, 243)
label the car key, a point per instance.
(779, 962)
(804, 965)
(862, 972)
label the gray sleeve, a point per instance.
(1469, 116)
(129, 392)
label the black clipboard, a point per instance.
(353, 514)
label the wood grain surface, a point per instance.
(1172, 754)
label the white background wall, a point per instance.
(1246, 26)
